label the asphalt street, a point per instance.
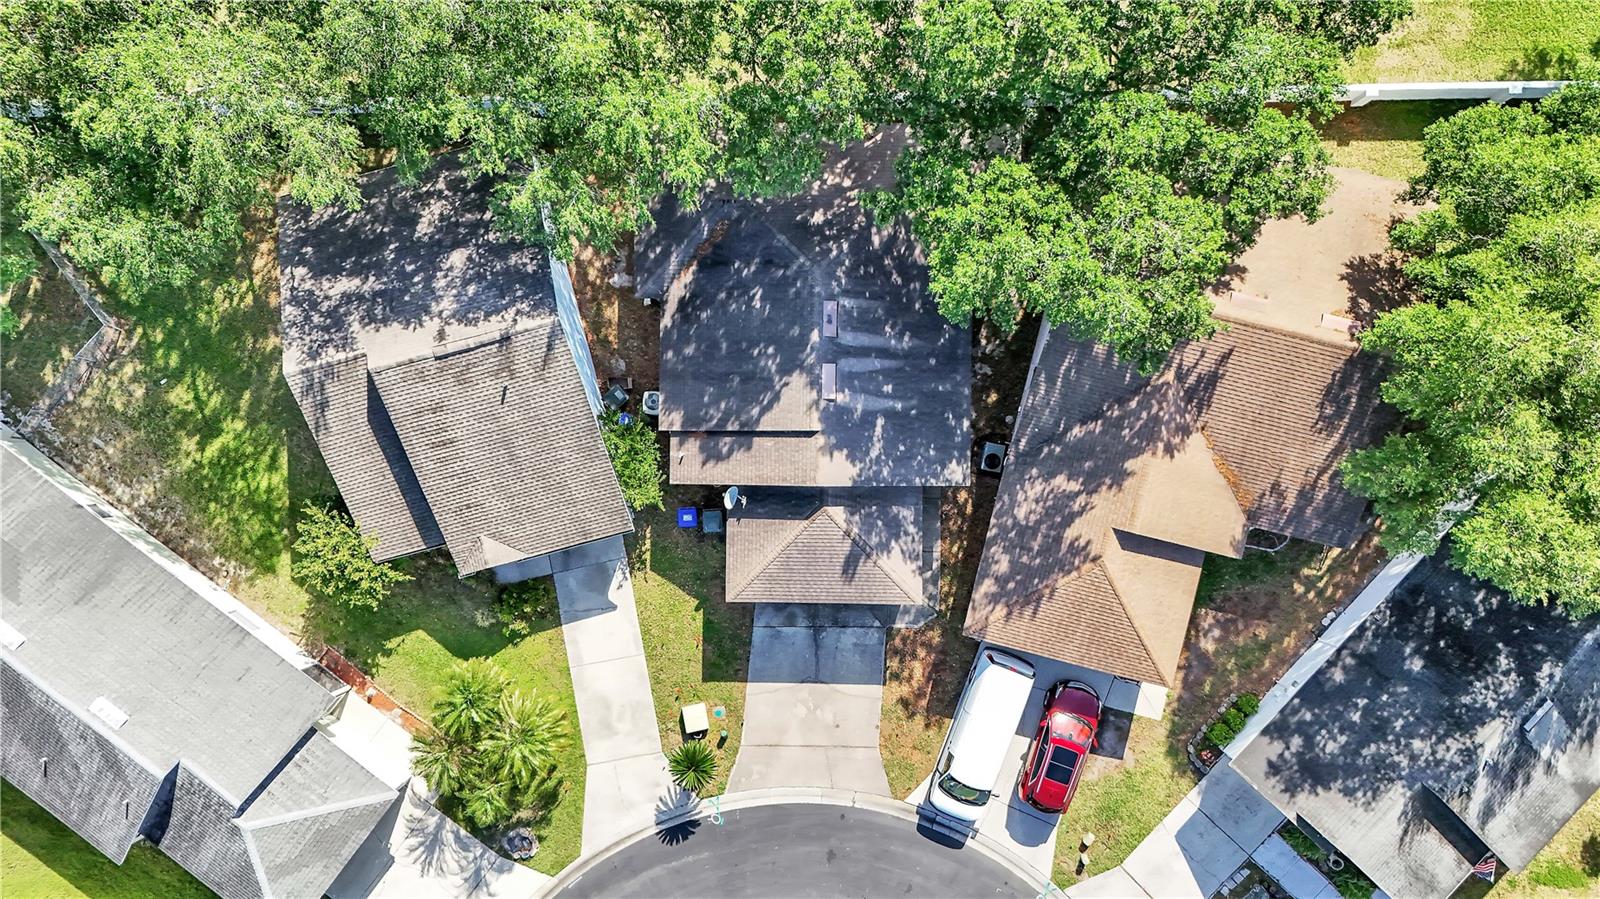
(798, 852)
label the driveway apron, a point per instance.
(628, 786)
(813, 700)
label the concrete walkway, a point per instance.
(628, 786)
(1201, 842)
(417, 851)
(813, 700)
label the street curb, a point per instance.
(728, 802)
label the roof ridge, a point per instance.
(1138, 631)
(872, 556)
(1349, 343)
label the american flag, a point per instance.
(1485, 868)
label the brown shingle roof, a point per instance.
(1061, 573)
(841, 546)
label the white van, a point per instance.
(995, 697)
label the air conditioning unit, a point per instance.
(992, 457)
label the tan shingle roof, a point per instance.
(843, 546)
(1062, 575)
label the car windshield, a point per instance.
(1063, 762)
(1073, 728)
(961, 792)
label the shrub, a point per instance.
(1234, 718)
(10, 323)
(333, 560)
(1248, 703)
(693, 765)
(491, 747)
(522, 604)
(1220, 735)
(636, 458)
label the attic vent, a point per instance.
(830, 381)
(98, 509)
(10, 637)
(1546, 731)
(108, 712)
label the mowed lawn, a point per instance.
(41, 858)
(1484, 40)
(195, 433)
(696, 645)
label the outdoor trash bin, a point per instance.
(688, 517)
(711, 521)
(695, 722)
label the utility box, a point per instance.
(696, 722)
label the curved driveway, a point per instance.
(797, 850)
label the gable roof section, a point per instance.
(505, 447)
(102, 617)
(1407, 748)
(743, 348)
(1063, 574)
(842, 546)
(400, 318)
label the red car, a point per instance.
(1066, 734)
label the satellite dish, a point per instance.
(730, 498)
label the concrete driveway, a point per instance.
(813, 700)
(628, 786)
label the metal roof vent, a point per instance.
(108, 712)
(1546, 731)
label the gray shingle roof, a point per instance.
(102, 618)
(743, 350)
(502, 439)
(841, 546)
(215, 703)
(404, 321)
(1407, 749)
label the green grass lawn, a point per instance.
(1484, 40)
(41, 858)
(1385, 138)
(696, 645)
(195, 432)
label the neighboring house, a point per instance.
(1117, 485)
(141, 701)
(445, 376)
(1451, 724)
(804, 361)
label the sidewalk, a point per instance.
(1201, 842)
(628, 787)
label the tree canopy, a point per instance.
(1498, 369)
(1094, 162)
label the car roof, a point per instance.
(987, 720)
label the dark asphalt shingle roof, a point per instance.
(743, 350)
(404, 321)
(1407, 749)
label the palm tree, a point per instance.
(693, 765)
(523, 743)
(471, 702)
(444, 762)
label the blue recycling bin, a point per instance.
(688, 517)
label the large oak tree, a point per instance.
(1498, 368)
